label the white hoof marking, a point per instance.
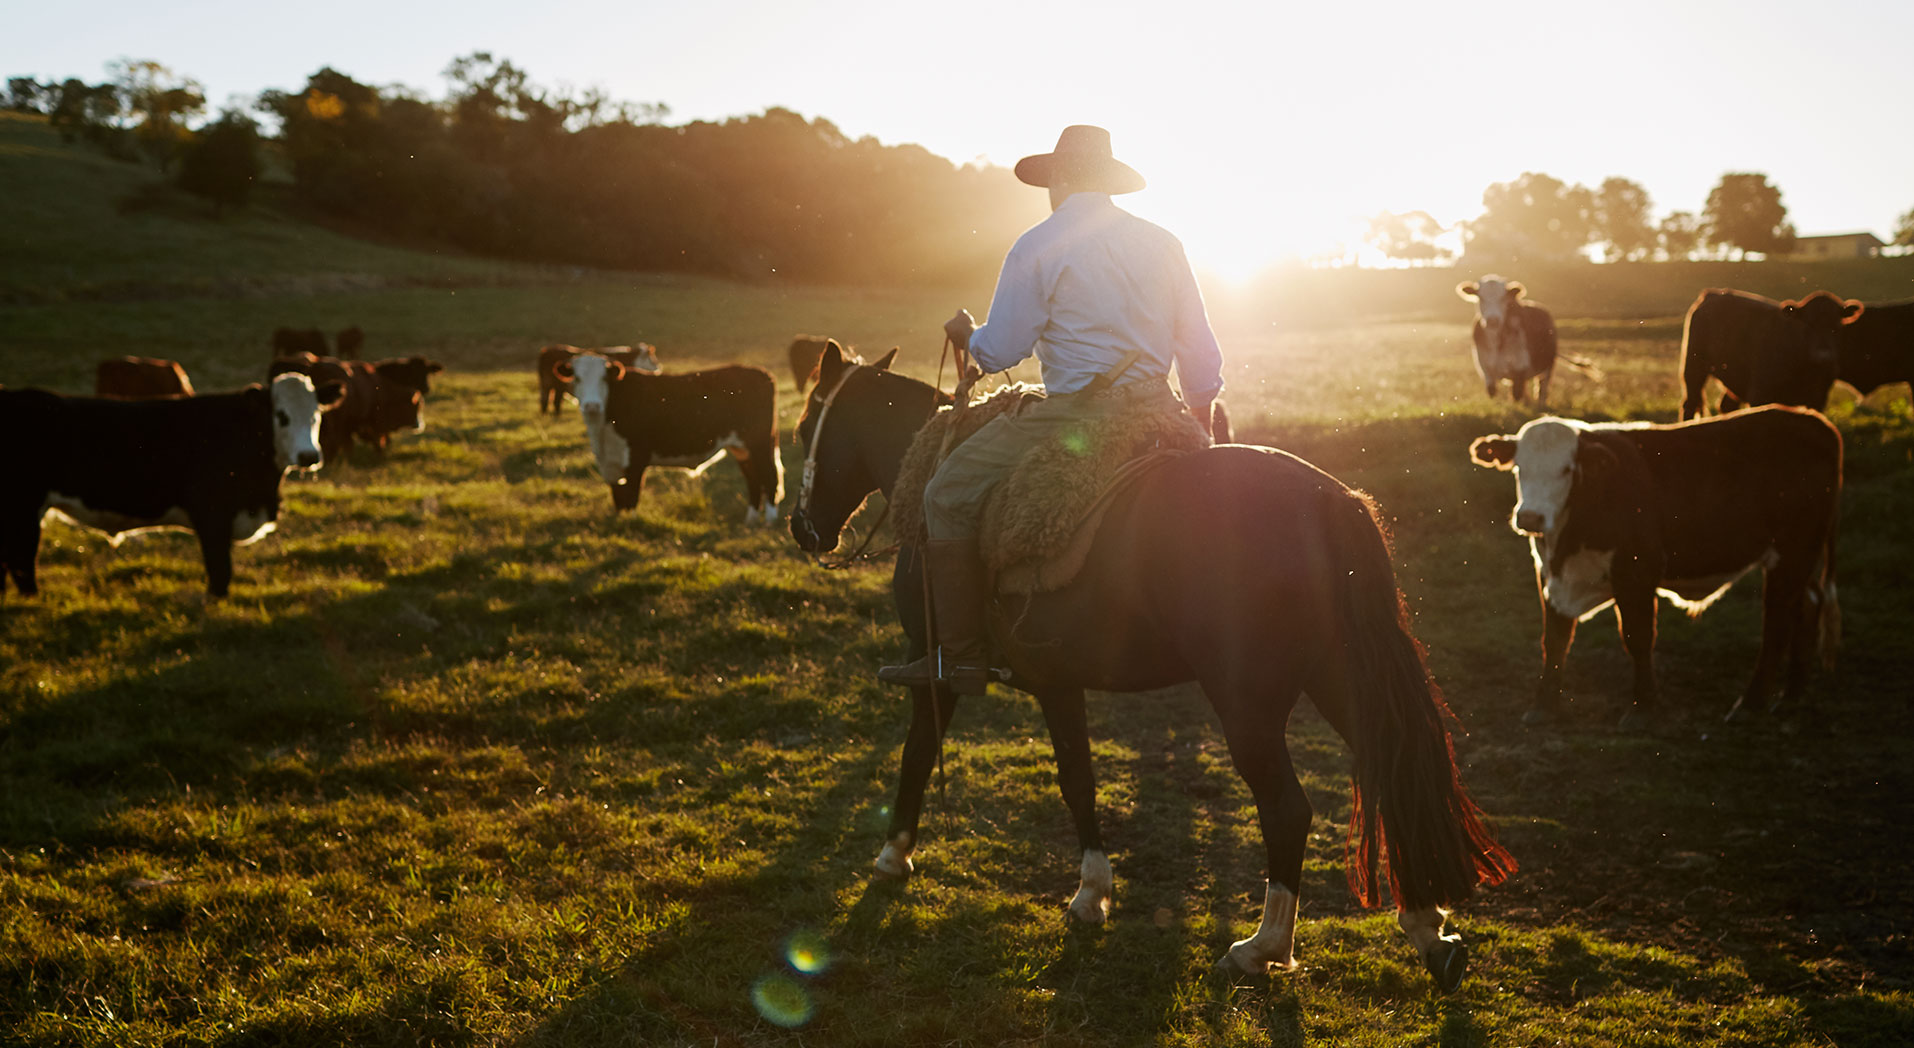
(1274, 943)
(1094, 890)
(894, 860)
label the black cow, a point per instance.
(1760, 350)
(687, 420)
(1876, 348)
(210, 464)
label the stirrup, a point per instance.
(932, 670)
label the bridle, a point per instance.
(805, 486)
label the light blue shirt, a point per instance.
(1089, 284)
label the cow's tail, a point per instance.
(1409, 805)
(1582, 365)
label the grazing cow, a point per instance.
(1619, 512)
(211, 464)
(1514, 339)
(1760, 350)
(552, 386)
(141, 378)
(350, 341)
(1877, 348)
(688, 420)
(380, 398)
(805, 352)
(287, 342)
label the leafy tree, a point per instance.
(27, 95)
(1745, 213)
(1904, 230)
(87, 111)
(1620, 219)
(158, 102)
(222, 161)
(1680, 235)
(1407, 237)
(1533, 217)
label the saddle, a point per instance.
(1038, 526)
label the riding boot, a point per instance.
(960, 654)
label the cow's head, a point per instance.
(1818, 318)
(591, 377)
(1494, 299)
(1546, 457)
(415, 372)
(295, 418)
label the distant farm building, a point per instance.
(1833, 246)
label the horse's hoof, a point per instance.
(1092, 913)
(1540, 717)
(889, 869)
(1447, 961)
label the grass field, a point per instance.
(466, 760)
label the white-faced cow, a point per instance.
(381, 398)
(1877, 348)
(553, 386)
(1760, 350)
(140, 378)
(210, 464)
(1617, 513)
(1514, 339)
(637, 420)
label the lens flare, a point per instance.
(808, 953)
(782, 1000)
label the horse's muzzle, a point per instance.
(804, 531)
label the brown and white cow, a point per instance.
(1514, 338)
(381, 398)
(1760, 350)
(1616, 513)
(553, 385)
(140, 378)
(1877, 348)
(210, 464)
(688, 421)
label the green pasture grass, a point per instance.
(465, 759)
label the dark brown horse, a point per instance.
(1244, 569)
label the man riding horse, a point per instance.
(1107, 303)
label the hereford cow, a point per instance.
(210, 464)
(1876, 348)
(688, 421)
(1514, 339)
(1619, 512)
(287, 342)
(381, 398)
(1760, 350)
(140, 378)
(805, 352)
(553, 386)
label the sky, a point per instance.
(1266, 130)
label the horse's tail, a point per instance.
(1409, 804)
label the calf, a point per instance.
(688, 421)
(552, 386)
(805, 352)
(140, 378)
(1760, 350)
(210, 464)
(1876, 348)
(1514, 339)
(287, 342)
(1617, 513)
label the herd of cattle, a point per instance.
(1615, 513)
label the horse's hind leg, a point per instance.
(1254, 723)
(1069, 727)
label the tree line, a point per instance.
(1540, 217)
(504, 166)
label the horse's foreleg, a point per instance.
(1441, 952)
(1069, 727)
(931, 710)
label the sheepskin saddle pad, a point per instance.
(1036, 528)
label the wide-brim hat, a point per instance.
(1083, 159)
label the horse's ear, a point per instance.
(884, 362)
(1493, 452)
(830, 363)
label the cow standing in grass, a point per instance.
(688, 421)
(1760, 350)
(1514, 339)
(553, 385)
